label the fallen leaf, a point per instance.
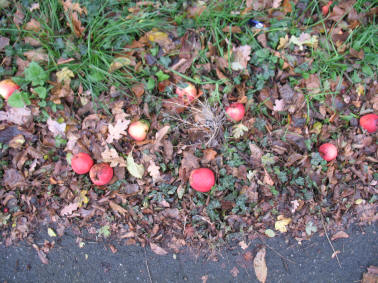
(64, 74)
(118, 63)
(136, 170)
(117, 208)
(295, 205)
(78, 28)
(110, 155)
(243, 245)
(58, 129)
(239, 130)
(158, 250)
(209, 155)
(204, 278)
(18, 17)
(69, 209)
(270, 233)
(188, 163)
(33, 25)
(69, 6)
(371, 276)
(279, 105)
(240, 57)
(118, 130)
(153, 170)
(3, 42)
(335, 253)
(34, 6)
(339, 235)
(234, 272)
(51, 232)
(276, 4)
(37, 55)
(304, 39)
(138, 89)
(281, 223)
(267, 179)
(159, 136)
(259, 265)
(284, 42)
(42, 256)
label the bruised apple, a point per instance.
(101, 174)
(328, 151)
(138, 130)
(369, 122)
(81, 163)
(7, 88)
(188, 92)
(202, 179)
(235, 112)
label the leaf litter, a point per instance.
(269, 176)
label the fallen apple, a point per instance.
(202, 179)
(188, 92)
(328, 151)
(325, 8)
(7, 88)
(369, 122)
(101, 174)
(235, 112)
(81, 163)
(138, 130)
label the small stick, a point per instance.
(145, 260)
(329, 241)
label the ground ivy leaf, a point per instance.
(136, 170)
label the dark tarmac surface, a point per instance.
(96, 263)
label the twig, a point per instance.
(289, 260)
(329, 241)
(145, 261)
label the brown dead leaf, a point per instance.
(157, 249)
(371, 276)
(188, 163)
(118, 130)
(19, 116)
(313, 84)
(69, 6)
(78, 28)
(138, 89)
(69, 209)
(3, 42)
(279, 105)
(287, 6)
(33, 25)
(18, 17)
(240, 57)
(37, 55)
(204, 278)
(159, 136)
(339, 235)
(13, 178)
(34, 6)
(234, 272)
(209, 155)
(31, 41)
(259, 265)
(153, 170)
(267, 179)
(42, 256)
(232, 29)
(58, 129)
(110, 155)
(117, 208)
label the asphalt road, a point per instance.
(95, 262)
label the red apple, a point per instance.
(81, 163)
(101, 174)
(187, 93)
(139, 129)
(202, 179)
(7, 88)
(325, 9)
(328, 151)
(235, 112)
(369, 122)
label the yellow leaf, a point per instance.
(64, 75)
(156, 36)
(283, 42)
(51, 232)
(359, 201)
(281, 223)
(83, 199)
(118, 63)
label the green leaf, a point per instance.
(35, 74)
(18, 99)
(41, 91)
(136, 170)
(104, 231)
(151, 83)
(161, 76)
(239, 130)
(310, 228)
